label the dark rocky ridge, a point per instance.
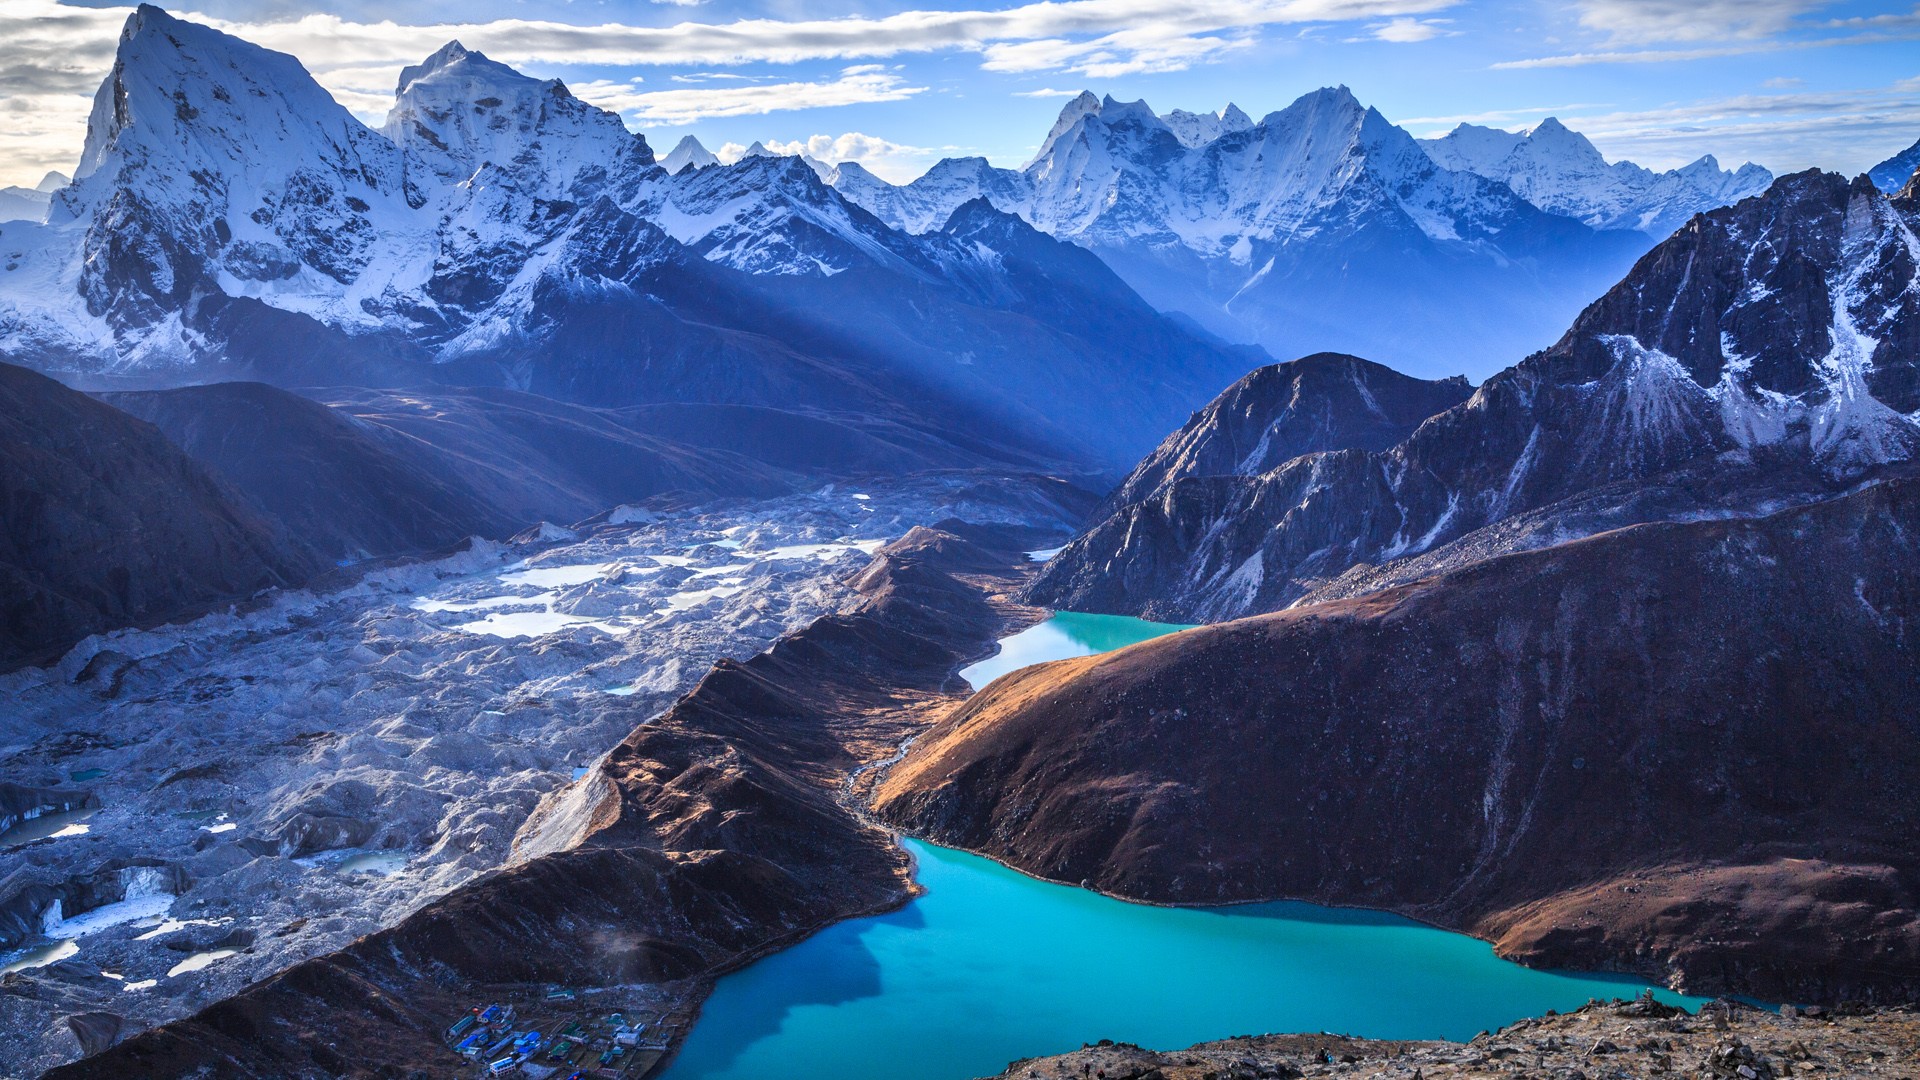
(349, 490)
(1771, 346)
(715, 832)
(104, 523)
(375, 473)
(1327, 401)
(1597, 755)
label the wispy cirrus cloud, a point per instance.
(1125, 28)
(1715, 29)
(1643, 21)
(855, 86)
(1406, 30)
(1848, 130)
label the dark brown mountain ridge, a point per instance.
(1685, 750)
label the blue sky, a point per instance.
(1788, 83)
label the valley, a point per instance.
(274, 784)
(479, 597)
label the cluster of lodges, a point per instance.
(573, 1049)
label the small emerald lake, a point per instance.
(991, 965)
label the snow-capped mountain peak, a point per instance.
(1198, 129)
(211, 159)
(1085, 103)
(688, 153)
(1892, 174)
(458, 111)
(1561, 171)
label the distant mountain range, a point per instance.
(1892, 174)
(1559, 170)
(30, 204)
(1769, 354)
(1324, 226)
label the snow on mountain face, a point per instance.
(688, 154)
(210, 165)
(23, 204)
(236, 223)
(1559, 170)
(927, 203)
(215, 167)
(770, 214)
(30, 204)
(459, 112)
(1197, 129)
(1293, 231)
(1766, 354)
(1116, 170)
(1892, 174)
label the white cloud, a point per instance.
(1846, 131)
(1407, 30)
(1667, 56)
(1783, 82)
(855, 86)
(1524, 116)
(892, 161)
(1046, 93)
(325, 41)
(1640, 21)
(1893, 20)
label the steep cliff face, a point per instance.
(1593, 754)
(103, 522)
(1765, 354)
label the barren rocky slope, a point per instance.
(103, 523)
(1596, 755)
(1727, 1041)
(715, 831)
(1327, 401)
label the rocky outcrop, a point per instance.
(349, 490)
(713, 833)
(1597, 755)
(1764, 354)
(1728, 1040)
(1327, 401)
(103, 523)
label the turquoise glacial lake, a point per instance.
(1065, 634)
(991, 966)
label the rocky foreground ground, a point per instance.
(1601, 1041)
